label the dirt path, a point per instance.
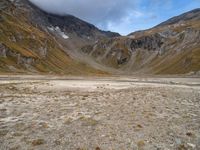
(115, 113)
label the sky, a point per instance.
(122, 16)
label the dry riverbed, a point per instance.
(46, 113)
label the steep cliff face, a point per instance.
(28, 47)
(169, 48)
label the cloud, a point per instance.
(98, 12)
(123, 16)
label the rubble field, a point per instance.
(99, 113)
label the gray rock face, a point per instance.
(71, 24)
(190, 36)
(68, 23)
(3, 51)
(174, 41)
(168, 39)
(21, 60)
(43, 52)
(152, 42)
(28, 61)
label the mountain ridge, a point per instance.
(35, 41)
(26, 47)
(190, 15)
(169, 48)
(68, 21)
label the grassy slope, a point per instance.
(181, 62)
(57, 61)
(172, 62)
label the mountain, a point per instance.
(75, 28)
(31, 40)
(189, 16)
(35, 41)
(172, 47)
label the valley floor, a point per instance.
(118, 113)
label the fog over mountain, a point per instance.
(123, 16)
(100, 12)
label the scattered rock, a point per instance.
(89, 121)
(68, 120)
(3, 133)
(15, 147)
(17, 134)
(98, 148)
(44, 124)
(189, 134)
(111, 120)
(38, 142)
(139, 126)
(57, 142)
(182, 147)
(178, 141)
(140, 143)
(191, 145)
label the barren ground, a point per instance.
(50, 113)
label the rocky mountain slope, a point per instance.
(32, 40)
(67, 29)
(188, 16)
(173, 47)
(29, 40)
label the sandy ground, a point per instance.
(118, 113)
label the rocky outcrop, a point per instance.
(21, 60)
(28, 46)
(32, 37)
(69, 24)
(43, 52)
(72, 25)
(173, 44)
(152, 42)
(3, 51)
(27, 61)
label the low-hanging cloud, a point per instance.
(123, 16)
(98, 12)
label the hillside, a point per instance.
(34, 41)
(70, 29)
(173, 47)
(26, 44)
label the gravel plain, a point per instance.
(118, 113)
